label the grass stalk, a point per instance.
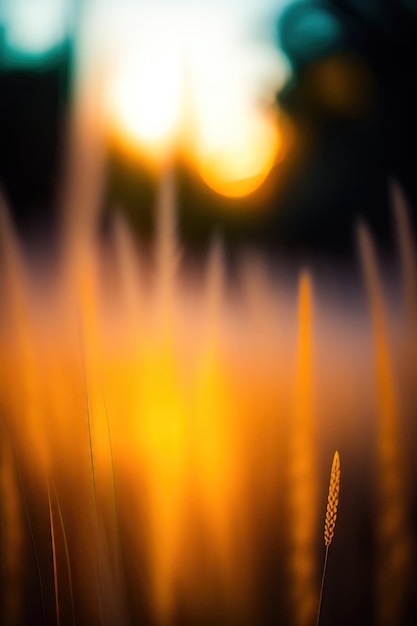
(115, 506)
(67, 557)
(330, 520)
(54, 558)
(303, 488)
(393, 533)
(93, 472)
(28, 519)
(322, 585)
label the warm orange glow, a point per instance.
(237, 168)
(180, 436)
(164, 424)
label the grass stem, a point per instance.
(322, 585)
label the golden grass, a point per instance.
(330, 519)
(178, 459)
(394, 541)
(302, 488)
(332, 501)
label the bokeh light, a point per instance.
(33, 29)
(195, 79)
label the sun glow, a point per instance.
(146, 99)
(239, 165)
(190, 82)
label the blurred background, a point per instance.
(172, 391)
(285, 120)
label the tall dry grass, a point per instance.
(302, 485)
(180, 428)
(393, 532)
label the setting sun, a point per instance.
(190, 81)
(239, 165)
(146, 98)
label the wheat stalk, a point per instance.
(331, 516)
(332, 501)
